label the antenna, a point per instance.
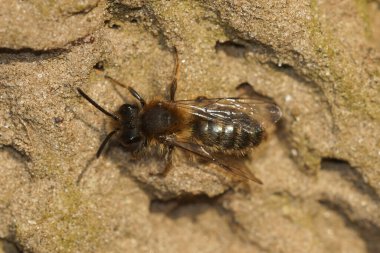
(131, 90)
(97, 106)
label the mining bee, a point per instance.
(217, 130)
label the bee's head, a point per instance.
(126, 121)
(129, 133)
(128, 114)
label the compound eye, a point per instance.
(128, 111)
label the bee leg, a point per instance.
(200, 99)
(173, 85)
(136, 155)
(245, 89)
(86, 168)
(169, 162)
(137, 96)
(130, 89)
(115, 82)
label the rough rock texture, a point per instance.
(318, 60)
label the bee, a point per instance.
(213, 129)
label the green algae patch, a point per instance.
(362, 9)
(66, 222)
(336, 69)
(198, 24)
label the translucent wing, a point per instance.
(200, 151)
(234, 110)
(245, 112)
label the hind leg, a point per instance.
(168, 161)
(245, 90)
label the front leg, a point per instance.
(173, 85)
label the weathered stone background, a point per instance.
(319, 60)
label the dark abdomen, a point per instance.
(228, 136)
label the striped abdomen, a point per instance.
(228, 136)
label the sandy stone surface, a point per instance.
(318, 60)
